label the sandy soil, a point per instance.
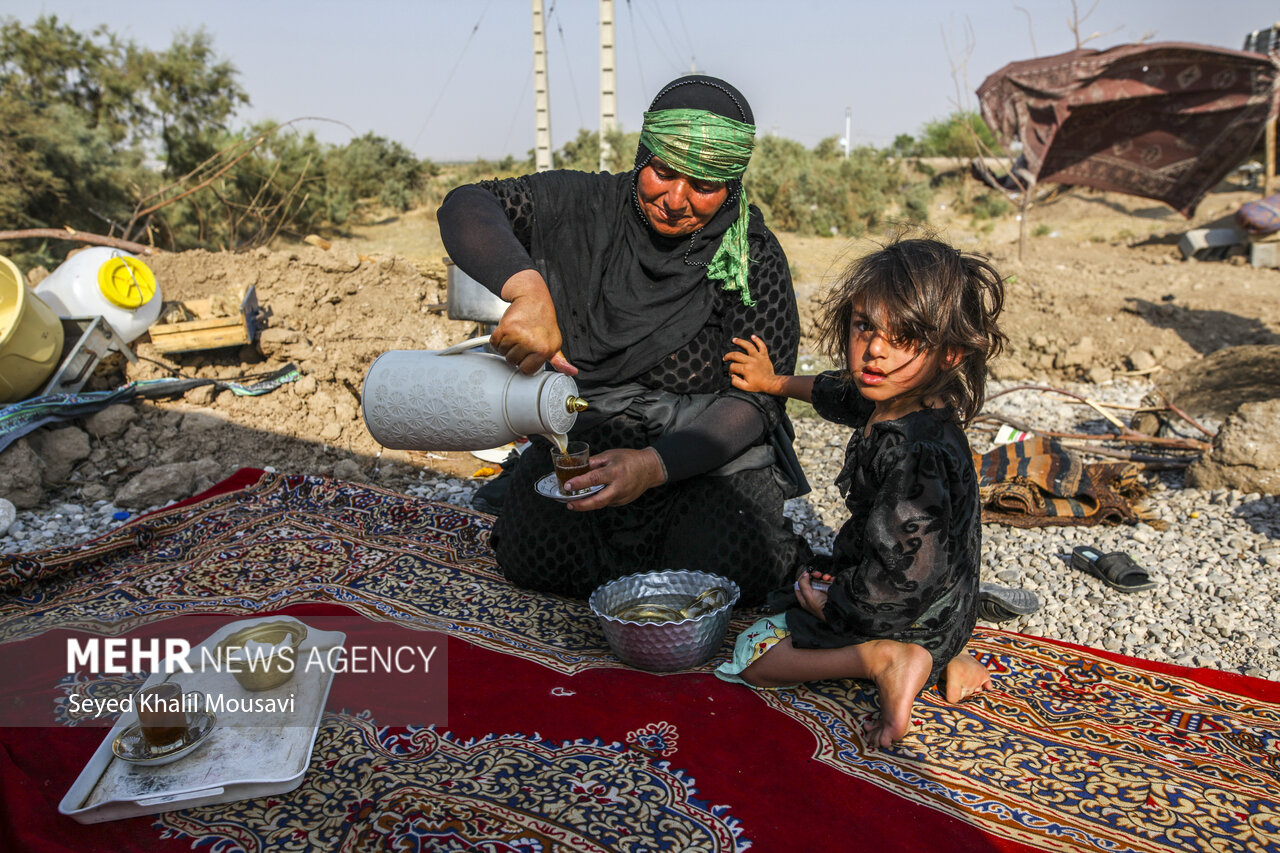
(1101, 291)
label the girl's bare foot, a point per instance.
(900, 674)
(965, 677)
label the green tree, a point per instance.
(372, 168)
(825, 193)
(581, 153)
(83, 112)
(189, 99)
(961, 134)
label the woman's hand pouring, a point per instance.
(528, 335)
(625, 475)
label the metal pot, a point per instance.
(664, 646)
(468, 299)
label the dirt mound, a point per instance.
(330, 313)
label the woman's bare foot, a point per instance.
(965, 677)
(900, 674)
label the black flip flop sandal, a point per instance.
(1116, 570)
(1002, 603)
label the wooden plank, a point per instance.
(195, 325)
(210, 333)
(224, 336)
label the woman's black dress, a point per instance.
(907, 561)
(731, 524)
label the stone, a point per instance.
(202, 395)
(8, 514)
(306, 386)
(321, 404)
(1098, 374)
(1212, 244)
(274, 340)
(21, 475)
(1251, 436)
(1078, 354)
(163, 483)
(95, 492)
(60, 449)
(195, 423)
(348, 469)
(344, 411)
(207, 473)
(1141, 360)
(112, 421)
(1246, 452)
(1008, 369)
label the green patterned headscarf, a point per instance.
(709, 147)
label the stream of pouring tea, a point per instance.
(561, 440)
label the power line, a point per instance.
(453, 71)
(568, 65)
(662, 19)
(516, 116)
(654, 40)
(635, 43)
(685, 27)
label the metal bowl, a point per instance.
(655, 641)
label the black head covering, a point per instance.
(626, 296)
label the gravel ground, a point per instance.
(1214, 562)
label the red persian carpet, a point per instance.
(551, 744)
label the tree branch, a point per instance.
(80, 236)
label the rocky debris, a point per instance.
(8, 513)
(163, 483)
(349, 469)
(203, 395)
(112, 421)
(21, 475)
(1246, 452)
(60, 449)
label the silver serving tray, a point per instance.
(235, 762)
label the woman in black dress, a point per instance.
(636, 284)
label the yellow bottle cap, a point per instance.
(126, 282)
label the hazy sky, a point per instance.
(453, 80)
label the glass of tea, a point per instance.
(571, 463)
(161, 715)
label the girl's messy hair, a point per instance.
(930, 295)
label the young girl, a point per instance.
(913, 326)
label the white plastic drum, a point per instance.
(105, 282)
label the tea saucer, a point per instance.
(549, 487)
(130, 746)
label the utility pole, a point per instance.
(541, 101)
(608, 90)
(848, 130)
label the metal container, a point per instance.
(663, 646)
(456, 399)
(468, 299)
